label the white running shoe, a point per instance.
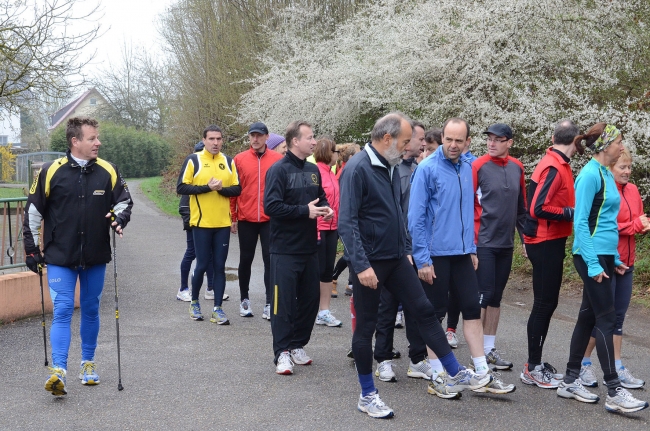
(184, 295)
(284, 365)
(209, 294)
(421, 370)
(245, 308)
(385, 371)
(374, 406)
(628, 380)
(576, 391)
(225, 297)
(267, 312)
(326, 318)
(624, 402)
(588, 376)
(452, 339)
(399, 319)
(299, 357)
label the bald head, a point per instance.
(389, 124)
(565, 132)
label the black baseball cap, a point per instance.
(258, 127)
(499, 129)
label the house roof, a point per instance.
(68, 109)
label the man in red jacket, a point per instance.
(247, 212)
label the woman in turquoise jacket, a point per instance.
(596, 259)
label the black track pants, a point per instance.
(248, 233)
(295, 294)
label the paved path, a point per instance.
(181, 374)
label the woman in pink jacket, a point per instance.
(326, 155)
(631, 221)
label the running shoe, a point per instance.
(225, 297)
(245, 308)
(496, 386)
(184, 295)
(348, 290)
(624, 402)
(56, 382)
(87, 374)
(209, 294)
(299, 357)
(399, 319)
(195, 310)
(266, 314)
(421, 370)
(628, 380)
(374, 406)
(452, 339)
(335, 294)
(540, 376)
(385, 371)
(494, 358)
(576, 391)
(438, 388)
(219, 317)
(326, 318)
(588, 376)
(466, 379)
(284, 365)
(553, 371)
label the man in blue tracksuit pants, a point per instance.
(76, 197)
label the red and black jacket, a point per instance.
(551, 199)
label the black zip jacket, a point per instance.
(291, 183)
(73, 201)
(371, 222)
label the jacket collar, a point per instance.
(562, 158)
(378, 160)
(256, 154)
(295, 160)
(74, 164)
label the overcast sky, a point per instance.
(125, 21)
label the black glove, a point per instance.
(35, 262)
(186, 226)
(120, 222)
(568, 213)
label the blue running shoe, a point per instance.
(219, 317)
(56, 383)
(87, 374)
(195, 310)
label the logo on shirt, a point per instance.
(222, 166)
(98, 192)
(314, 178)
(32, 190)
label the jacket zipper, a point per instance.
(82, 181)
(462, 223)
(259, 185)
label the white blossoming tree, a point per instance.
(527, 63)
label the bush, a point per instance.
(136, 153)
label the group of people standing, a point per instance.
(428, 231)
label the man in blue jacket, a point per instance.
(372, 228)
(441, 223)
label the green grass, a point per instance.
(166, 200)
(9, 192)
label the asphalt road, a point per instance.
(182, 374)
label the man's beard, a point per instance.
(393, 156)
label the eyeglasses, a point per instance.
(335, 151)
(495, 140)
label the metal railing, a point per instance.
(12, 251)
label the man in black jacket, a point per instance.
(76, 197)
(372, 228)
(293, 198)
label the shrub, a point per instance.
(136, 153)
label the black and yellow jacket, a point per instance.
(73, 201)
(208, 209)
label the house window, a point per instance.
(4, 139)
(93, 101)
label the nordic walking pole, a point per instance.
(117, 318)
(40, 276)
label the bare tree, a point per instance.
(38, 50)
(138, 91)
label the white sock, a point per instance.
(488, 343)
(436, 366)
(480, 365)
(322, 313)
